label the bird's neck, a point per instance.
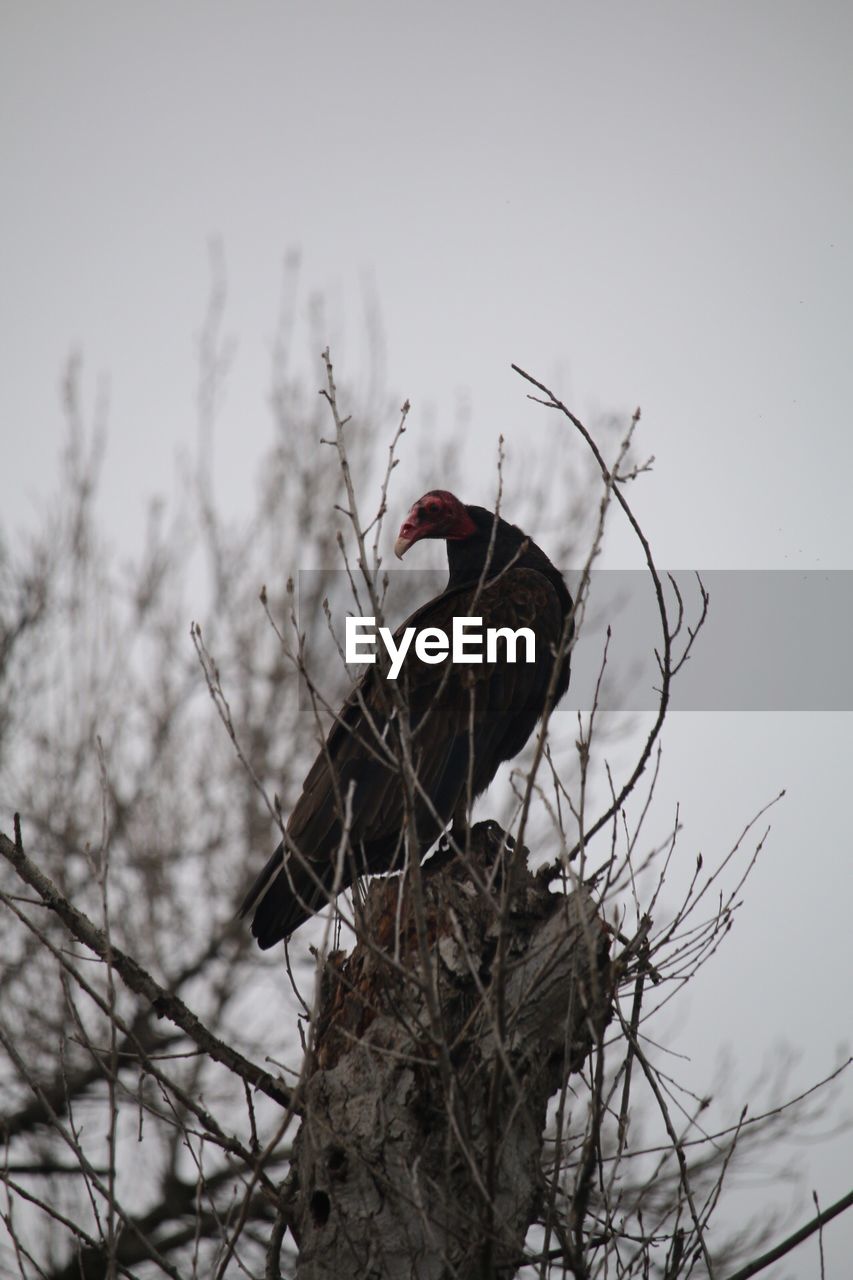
(466, 558)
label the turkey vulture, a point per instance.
(491, 708)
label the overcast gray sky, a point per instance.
(646, 203)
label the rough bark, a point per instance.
(420, 1153)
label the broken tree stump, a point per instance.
(420, 1151)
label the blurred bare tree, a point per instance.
(156, 1069)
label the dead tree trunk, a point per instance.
(420, 1150)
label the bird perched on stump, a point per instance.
(464, 719)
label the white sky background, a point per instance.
(642, 203)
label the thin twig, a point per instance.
(166, 1004)
(785, 1246)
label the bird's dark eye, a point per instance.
(434, 508)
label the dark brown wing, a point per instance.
(488, 708)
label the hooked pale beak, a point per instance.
(409, 533)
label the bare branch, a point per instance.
(166, 1004)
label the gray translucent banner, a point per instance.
(773, 640)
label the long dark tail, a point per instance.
(282, 898)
